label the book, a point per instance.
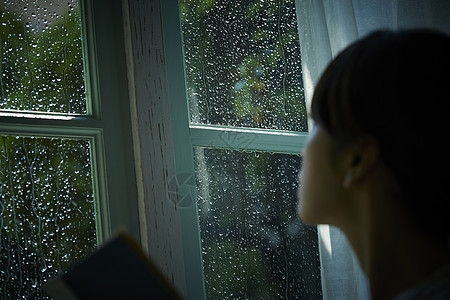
(117, 270)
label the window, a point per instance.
(218, 151)
(244, 123)
(61, 192)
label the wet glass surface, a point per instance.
(253, 244)
(47, 213)
(41, 57)
(243, 64)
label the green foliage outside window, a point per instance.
(243, 69)
(47, 217)
(47, 213)
(243, 64)
(41, 62)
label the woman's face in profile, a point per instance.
(320, 180)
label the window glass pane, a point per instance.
(47, 217)
(243, 63)
(41, 57)
(254, 246)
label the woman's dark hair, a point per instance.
(395, 87)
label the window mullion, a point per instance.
(106, 65)
(184, 158)
(276, 141)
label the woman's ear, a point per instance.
(361, 156)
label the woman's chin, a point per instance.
(303, 214)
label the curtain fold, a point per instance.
(325, 28)
(315, 45)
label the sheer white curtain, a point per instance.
(325, 28)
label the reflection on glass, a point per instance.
(253, 244)
(47, 217)
(41, 57)
(243, 63)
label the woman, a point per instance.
(377, 164)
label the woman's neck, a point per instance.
(398, 261)
(393, 254)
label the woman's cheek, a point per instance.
(318, 183)
(306, 197)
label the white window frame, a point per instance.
(116, 165)
(186, 136)
(107, 125)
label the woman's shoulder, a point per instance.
(437, 287)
